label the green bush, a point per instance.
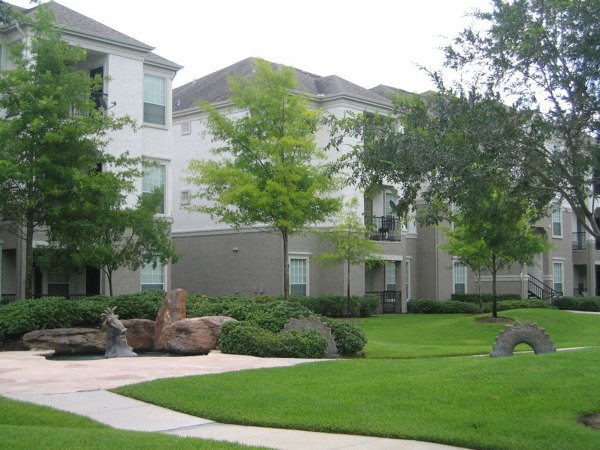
(247, 338)
(300, 344)
(23, 316)
(578, 303)
(517, 304)
(337, 305)
(486, 298)
(440, 307)
(349, 339)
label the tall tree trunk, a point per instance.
(109, 278)
(494, 293)
(348, 290)
(27, 284)
(286, 264)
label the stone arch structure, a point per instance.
(527, 333)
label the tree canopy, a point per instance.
(268, 170)
(543, 56)
(51, 131)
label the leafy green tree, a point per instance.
(493, 232)
(51, 131)
(269, 172)
(543, 55)
(350, 244)
(105, 233)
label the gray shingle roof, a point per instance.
(215, 87)
(77, 23)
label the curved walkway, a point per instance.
(80, 387)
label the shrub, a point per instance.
(517, 304)
(439, 307)
(337, 305)
(23, 316)
(486, 298)
(300, 344)
(578, 303)
(349, 339)
(247, 338)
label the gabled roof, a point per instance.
(215, 87)
(75, 23)
(390, 92)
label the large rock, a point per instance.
(314, 323)
(171, 311)
(196, 336)
(67, 340)
(140, 334)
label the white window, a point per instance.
(58, 282)
(299, 276)
(556, 220)
(459, 276)
(185, 198)
(155, 99)
(153, 277)
(186, 127)
(390, 276)
(558, 276)
(407, 280)
(154, 178)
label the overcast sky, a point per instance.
(368, 42)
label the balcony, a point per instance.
(384, 228)
(579, 241)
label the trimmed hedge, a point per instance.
(578, 303)
(22, 316)
(486, 298)
(454, 306)
(247, 338)
(348, 338)
(337, 305)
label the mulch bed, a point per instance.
(591, 420)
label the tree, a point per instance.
(51, 131)
(103, 232)
(494, 234)
(543, 55)
(350, 244)
(269, 171)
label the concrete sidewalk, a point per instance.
(79, 387)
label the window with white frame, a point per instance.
(155, 99)
(556, 220)
(153, 277)
(185, 198)
(155, 178)
(186, 127)
(390, 276)
(58, 282)
(558, 276)
(299, 277)
(459, 277)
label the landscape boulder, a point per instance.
(140, 334)
(195, 336)
(171, 310)
(314, 323)
(67, 340)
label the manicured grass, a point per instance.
(524, 402)
(427, 335)
(25, 426)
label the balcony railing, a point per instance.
(384, 228)
(579, 241)
(389, 301)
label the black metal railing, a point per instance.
(538, 289)
(384, 228)
(389, 301)
(101, 100)
(578, 291)
(579, 241)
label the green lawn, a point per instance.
(524, 402)
(26, 426)
(426, 335)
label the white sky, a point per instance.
(367, 42)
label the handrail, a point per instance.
(541, 290)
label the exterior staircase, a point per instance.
(538, 289)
